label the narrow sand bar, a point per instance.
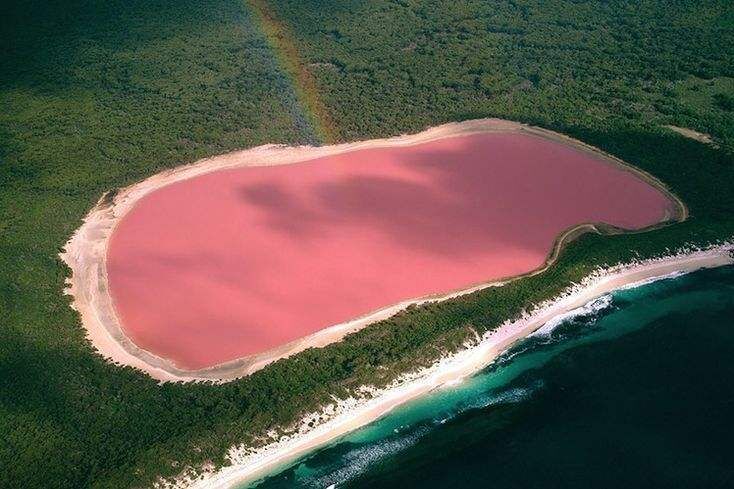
(215, 269)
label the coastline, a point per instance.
(250, 465)
(86, 251)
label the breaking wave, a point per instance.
(356, 461)
(588, 311)
(507, 396)
(652, 280)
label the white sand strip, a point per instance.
(695, 135)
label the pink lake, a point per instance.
(238, 262)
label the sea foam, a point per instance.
(587, 310)
(651, 280)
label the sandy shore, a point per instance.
(86, 251)
(695, 135)
(249, 465)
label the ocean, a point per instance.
(635, 390)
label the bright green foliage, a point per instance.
(95, 95)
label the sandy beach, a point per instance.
(86, 253)
(248, 465)
(695, 135)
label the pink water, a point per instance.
(241, 261)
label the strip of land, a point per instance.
(695, 135)
(87, 251)
(248, 465)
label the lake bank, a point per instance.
(87, 254)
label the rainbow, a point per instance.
(282, 42)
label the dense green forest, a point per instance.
(392, 66)
(95, 95)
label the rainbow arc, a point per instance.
(282, 42)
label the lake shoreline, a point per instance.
(86, 252)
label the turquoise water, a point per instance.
(637, 391)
